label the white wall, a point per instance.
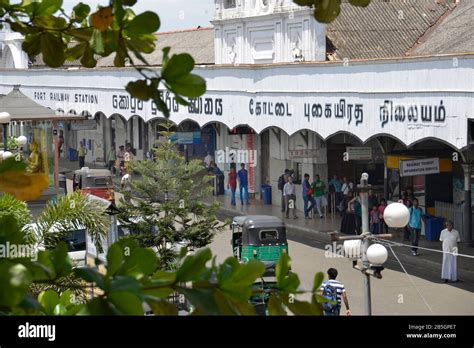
(253, 34)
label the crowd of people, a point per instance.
(117, 161)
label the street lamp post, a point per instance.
(364, 202)
(5, 119)
(373, 256)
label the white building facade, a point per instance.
(273, 96)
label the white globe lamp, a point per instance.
(7, 155)
(352, 248)
(377, 254)
(396, 215)
(5, 118)
(21, 140)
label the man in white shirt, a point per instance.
(450, 238)
(290, 197)
(346, 186)
(208, 160)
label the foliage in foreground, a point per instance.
(132, 278)
(116, 29)
(168, 197)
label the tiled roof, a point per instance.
(197, 42)
(385, 28)
(455, 34)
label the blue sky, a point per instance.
(174, 14)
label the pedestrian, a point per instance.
(374, 220)
(215, 169)
(290, 197)
(335, 291)
(82, 152)
(346, 186)
(121, 159)
(60, 142)
(125, 183)
(372, 200)
(232, 185)
(336, 184)
(358, 214)
(319, 194)
(282, 180)
(408, 203)
(415, 225)
(307, 197)
(383, 226)
(208, 160)
(243, 184)
(112, 158)
(348, 222)
(450, 237)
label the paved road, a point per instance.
(395, 294)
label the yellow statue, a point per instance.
(34, 161)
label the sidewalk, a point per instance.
(316, 233)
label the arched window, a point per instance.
(229, 4)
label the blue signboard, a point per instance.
(187, 138)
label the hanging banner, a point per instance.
(424, 166)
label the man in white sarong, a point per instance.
(450, 238)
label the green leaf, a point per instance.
(81, 34)
(32, 45)
(318, 280)
(190, 85)
(114, 259)
(140, 89)
(304, 2)
(61, 261)
(161, 277)
(275, 306)
(97, 306)
(52, 49)
(142, 262)
(48, 299)
(178, 66)
(60, 309)
(97, 43)
(67, 298)
(123, 283)
(91, 275)
(203, 300)
(282, 267)
(50, 22)
(163, 308)
(15, 280)
(327, 10)
(48, 7)
(194, 266)
(129, 2)
(80, 12)
(75, 52)
(88, 59)
(360, 3)
(301, 307)
(126, 302)
(145, 44)
(145, 23)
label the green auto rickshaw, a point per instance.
(258, 237)
(262, 238)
